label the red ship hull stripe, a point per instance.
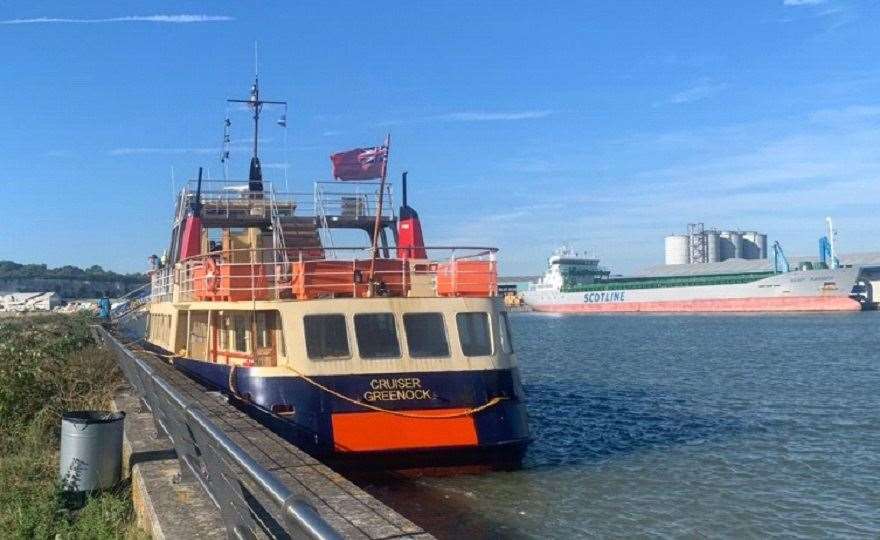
(796, 303)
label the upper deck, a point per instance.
(229, 203)
(280, 246)
(274, 274)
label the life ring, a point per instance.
(212, 275)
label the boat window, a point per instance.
(473, 331)
(265, 324)
(326, 336)
(425, 334)
(376, 335)
(224, 332)
(504, 333)
(240, 330)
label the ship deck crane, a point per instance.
(780, 262)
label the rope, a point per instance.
(491, 403)
(231, 383)
(469, 412)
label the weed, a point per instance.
(49, 364)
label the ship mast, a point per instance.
(255, 177)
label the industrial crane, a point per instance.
(780, 263)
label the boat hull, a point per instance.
(823, 290)
(429, 425)
(804, 303)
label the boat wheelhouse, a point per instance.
(393, 353)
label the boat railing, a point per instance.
(233, 197)
(344, 272)
(356, 201)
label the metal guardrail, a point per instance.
(254, 274)
(251, 500)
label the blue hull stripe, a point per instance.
(310, 425)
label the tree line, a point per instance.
(14, 270)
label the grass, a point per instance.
(49, 364)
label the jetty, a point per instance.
(201, 468)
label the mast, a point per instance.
(377, 224)
(255, 176)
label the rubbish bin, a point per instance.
(91, 450)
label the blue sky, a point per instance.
(523, 125)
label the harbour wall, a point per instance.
(173, 501)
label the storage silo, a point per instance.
(726, 246)
(761, 242)
(677, 249)
(750, 249)
(731, 245)
(713, 246)
(737, 239)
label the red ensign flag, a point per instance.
(360, 163)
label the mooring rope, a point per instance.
(234, 391)
(469, 412)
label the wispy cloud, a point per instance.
(702, 90)
(137, 151)
(853, 113)
(477, 116)
(802, 2)
(483, 116)
(174, 19)
(778, 176)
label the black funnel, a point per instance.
(255, 178)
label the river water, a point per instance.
(698, 425)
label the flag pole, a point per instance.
(378, 222)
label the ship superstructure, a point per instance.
(393, 353)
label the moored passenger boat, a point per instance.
(394, 354)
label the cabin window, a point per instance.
(240, 325)
(234, 332)
(425, 335)
(326, 336)
(265, 330)
(197, 341)
(376, 335)
(224, 332)
(504, 333)
(473, 331)
(265, 325)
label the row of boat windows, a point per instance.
(426, 336)
(326, 335)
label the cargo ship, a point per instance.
(393, 355)
(578, 284)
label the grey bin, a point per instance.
(91, 450)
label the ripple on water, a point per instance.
(681, 426)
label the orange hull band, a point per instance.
(376, 431)
(797, 303)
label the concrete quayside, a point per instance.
(200, 468)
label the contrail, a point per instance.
(174, 19)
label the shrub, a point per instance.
(49, 364)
